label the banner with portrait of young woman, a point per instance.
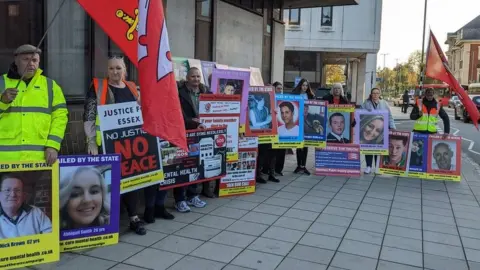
(29, 232)
(371, 132)
(398, 150)
(290, 115)
(262, 119)
(315, 123)
(89, 201)
(417, 158)
(233, 82)
(444, 158)
(339, 123)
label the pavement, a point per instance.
(311, 222)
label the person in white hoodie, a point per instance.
(375, 102)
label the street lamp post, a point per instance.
(422, 67)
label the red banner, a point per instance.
(437, 68)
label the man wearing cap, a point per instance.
(33, 113)
(425, 114)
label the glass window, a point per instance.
(205, 8)
(67, 51)
(327, 16)
(293, 17)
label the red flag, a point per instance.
(119, 19)
(437, 68)
(162, 114)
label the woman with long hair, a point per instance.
(375, 102)
(303, 88)
(371, 129)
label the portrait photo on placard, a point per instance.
(417, 152)
(85, 196)
(288, 118)
(444, 155)
(259, 114)
(338, 127)
(25, 203)
(372, 128)
(314, 120)
(230, 86)
(397, 151)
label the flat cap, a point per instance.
(27, 49)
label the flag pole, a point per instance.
(43, 38)
(422, 66)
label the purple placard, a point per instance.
(76, 197)
(232, 82)
(371, 131)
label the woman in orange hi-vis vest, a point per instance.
(111, 90)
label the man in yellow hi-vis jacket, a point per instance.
(33, 116)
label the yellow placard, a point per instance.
(232, 157)
(140, 182)
(241, 129)
(444, 177)
(374, 152)
(349, 109)
(316, 144)
(392, 172)
(287, 145)
(89, 242)
(236, 191)
(417, 175)
(267, 139)
(25, 244)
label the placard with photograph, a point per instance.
(339, 123)
(290, 115)
(315, 123)
(233, 82)
(29, 232)
(338, 160)
(261, 112)
(398, 150)
(371, 132)
(417, 159)
(256, 77)
(444, 158)
(207, 70)
(180, 68)
(89, 201)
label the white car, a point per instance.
(399, 100)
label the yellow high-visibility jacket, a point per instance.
(36, 119)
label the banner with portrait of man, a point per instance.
(315, 123)
(262, 120)
(444, 158)
(290, 114)
(371, 132)
(339, 123)
(398, 150)
(29, 232)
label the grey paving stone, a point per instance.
(472, 255)
(283, 234)
(359, 248)
(368, 226)
(406, 213)
(302, 184)
(122, 266)
(301, 214)
(356, 192)
(280, 202)
(344, 204)
(442, 238)
(334, 220)
(384, 265)
(132, 238)
(167, 226)
(372, 217)
(473, 265)
(349, 197)
(406, 206)
(261, 218)
(349, 261)
(287, 195)
(311, 254)
(257, 260)
(242, 205)
(253, 198)
(321, 193)
(215, 222)
(270, 209)
(189, 262)
(439, 227)
(404, 232)
(443, 263)
(364, 236)
(198, 232)
(442, 205)
(467, 232)
(380, 195)
(265, 192)
(271, 246)
(439, 219)
(467, 223)
(298, 190)
(443, 250)
(177, 244)
(437, 211)
(405, 222)
(374, 209)
(228, 212)
(327, 188)
(378, 202)
(470, 202)
(402, 243)
(293, 223)
(216, 252)
(401, 256)
(276, 187)
(235, 267)
(291, 263)
(344, 212)
(320, 241)
(467, 215)
(117, 253)
(327, 229)
(77, 262)
(315, 200)
(163, 259)
(309, 206)
(249, 228)
(233, 239)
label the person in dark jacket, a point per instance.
(406, 99)
(303, 88)
(425, 114)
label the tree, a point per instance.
(335, 74)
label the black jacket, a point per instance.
(187, 106)
(432, 104)
(405, 97)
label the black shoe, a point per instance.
(305, 171)
(298, 169)
(137, 227)
(161, 212)
(273, 179)
(261, 180)
(279, 173)
(149, 215)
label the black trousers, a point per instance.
(266, 159)
(302, 156)
(369, 159)
(279, 159)
(130, 199)
(405, 107)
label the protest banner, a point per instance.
(315, 123)
(221, 66)
(122, 133)
(398, 150)
(222, 110)
(290, 121)
(371, 132)
(240, 178)
(197, 64)
(205, 160)
(340, 118)
(444, 158)
(233, 82)
(256, 77)
(180, 67)
(89, 201)
(338, 159)
(262, 120)
(417, 158)
(207, 69)
(29, 232)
